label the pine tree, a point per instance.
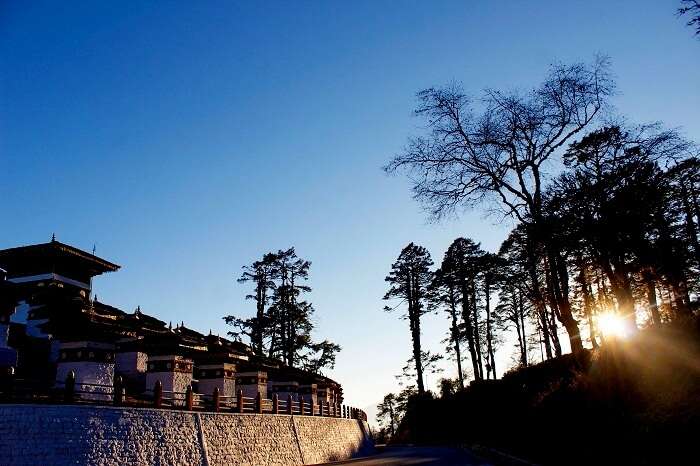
(409, 280)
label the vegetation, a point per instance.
(691, 9)
(631, 402)
(282, 325)
(409, 280)
(604, 249)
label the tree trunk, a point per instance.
(587, 300)
(414, 320)
(690, 227)
(559, 278)
(392, 419)
(618, 277)
(681, 299)
(650, 284)
(588, 308)
(554, 332)
(455, 336)
(466, 316)
(544, 328)
(538, 297)
(477, 334)
(521, 310)
(489, 336)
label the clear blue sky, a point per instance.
(185, 139)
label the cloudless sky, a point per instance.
(186, 139)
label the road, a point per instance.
(432, 456)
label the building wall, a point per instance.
(87, 372)
(227, 387)
(131, 362)
(171, 381)
(251, 390)
(105, 436)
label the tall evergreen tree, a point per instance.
(409, 280)
(462, 264)
(261, 273)
(388, 414)
(445, 295)
(282, 325)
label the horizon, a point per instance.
(185, 143)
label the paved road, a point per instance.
(395, 456)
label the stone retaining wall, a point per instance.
(101, 436)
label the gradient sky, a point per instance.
(185, 139)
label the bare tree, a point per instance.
(468, 158)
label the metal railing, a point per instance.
(14, 390)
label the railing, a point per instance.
(71, 392)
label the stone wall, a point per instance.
(102, 436)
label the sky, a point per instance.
(183, 140)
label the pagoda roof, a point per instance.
(16, 258)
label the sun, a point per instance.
(613, 325)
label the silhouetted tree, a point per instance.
(445, 295)
(320, 356)
(462, 264)
(282, 325)
(501, 153)
(261, 273)
(448, 387)
(514, 252)
(388, 414)
(511, 312)
(491, 268)
(691, 8)
(615, 208)
(429, 365)
(409, 280)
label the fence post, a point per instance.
(320, 408)
(301, 405)
(217, 402)
(117, 390)
(158, 394)
(345, 413)
(189, 398)
(259, 403)
(275, 404)
(69, 387)
(313, 406)
(290, 406)
(239, 401)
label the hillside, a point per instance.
(634, 401)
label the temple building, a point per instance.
(51, 324)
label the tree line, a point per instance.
(605, 219)
(282, 325)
